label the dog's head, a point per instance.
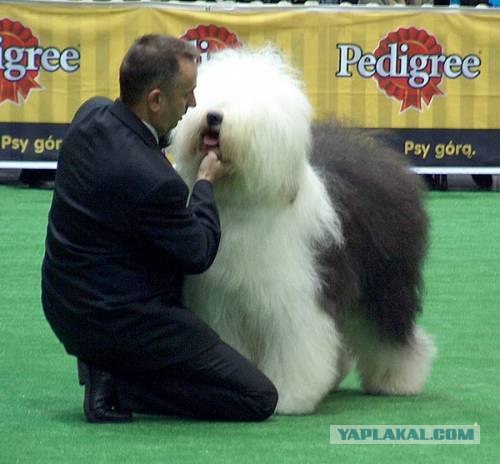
(251, 108)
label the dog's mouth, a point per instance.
(210, 138)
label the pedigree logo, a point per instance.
(22, 58)
(409, 65)
(211, 38)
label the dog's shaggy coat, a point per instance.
(323, 237)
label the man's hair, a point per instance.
(152, 61)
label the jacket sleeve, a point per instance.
(186, 236)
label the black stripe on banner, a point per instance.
(445, 147)
(31, 141)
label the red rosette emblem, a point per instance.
(15, 39)
(211, 38)
(409, 42)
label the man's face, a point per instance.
(172, 107)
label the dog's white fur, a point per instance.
(263, 292)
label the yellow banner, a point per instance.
(378, 68)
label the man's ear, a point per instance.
(153, 99)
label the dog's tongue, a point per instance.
(211, 140)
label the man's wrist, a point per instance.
(207, 178)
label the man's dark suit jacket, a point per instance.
(120, 238)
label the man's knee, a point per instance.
(260, 405)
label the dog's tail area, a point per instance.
(384, 225)
(374, 280)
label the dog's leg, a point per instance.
(344, 365)
(301, 360)
(389, 367)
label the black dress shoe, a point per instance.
(100, 400)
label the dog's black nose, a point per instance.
(214, 118)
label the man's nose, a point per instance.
(192, 102)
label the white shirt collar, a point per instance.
(152, 130)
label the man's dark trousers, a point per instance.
(219, 384)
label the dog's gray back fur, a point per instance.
(378, 269)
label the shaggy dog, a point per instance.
(323, 237)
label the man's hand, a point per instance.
(212, 168)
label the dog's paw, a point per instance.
(293, 405)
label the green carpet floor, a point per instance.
(40, 400)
